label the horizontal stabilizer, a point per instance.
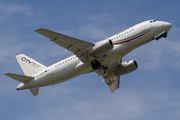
(34, 91)
(20, 78)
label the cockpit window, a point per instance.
(152, 21)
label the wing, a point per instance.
(78, 47)
(113, 82)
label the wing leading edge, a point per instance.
(78, 47)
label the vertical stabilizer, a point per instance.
(28, 65)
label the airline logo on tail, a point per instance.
(24, 59)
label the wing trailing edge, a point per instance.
(113, 82)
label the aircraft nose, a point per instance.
(168, 26)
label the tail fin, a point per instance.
(28, 65)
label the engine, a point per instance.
(126, 67)
(101, 47)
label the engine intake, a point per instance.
(101, 47)
(126, 67)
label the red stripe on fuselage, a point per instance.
(133, 38)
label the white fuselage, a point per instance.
(124, 42)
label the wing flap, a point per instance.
(113, 82)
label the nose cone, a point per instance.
(168, 26)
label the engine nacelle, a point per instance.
(101, 47)
(126, 67)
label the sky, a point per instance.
(150, 92)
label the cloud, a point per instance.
(97, 27)
(125, 104)
(12, 8)
(96, 105)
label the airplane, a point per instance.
(103, 57)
